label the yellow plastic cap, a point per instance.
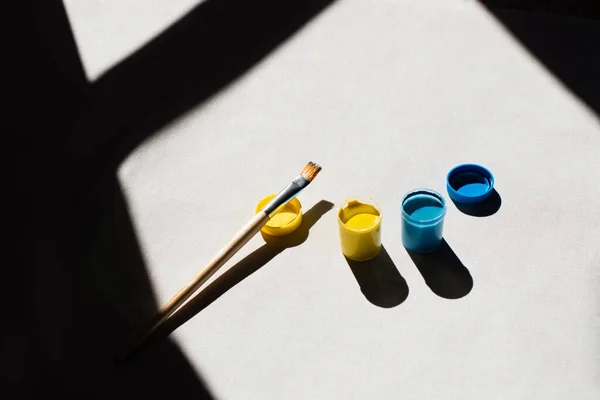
(359, 220)
(285, 221)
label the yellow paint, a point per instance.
(359, 222)
(283, 217)
(286, 219)
(362, 221)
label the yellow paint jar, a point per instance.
(359, 220)
(285, 220)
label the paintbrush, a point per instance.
(306, 176)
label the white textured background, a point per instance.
(387, 96)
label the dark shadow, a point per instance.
(579, 8)
(77, 286)
(379, 280)
(443, 272)
(567, 46)
(199, 55)
(483, 209)
(253, 262)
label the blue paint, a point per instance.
(469, 183)
(423, 212)
(423, 207)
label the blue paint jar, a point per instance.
(423, 212)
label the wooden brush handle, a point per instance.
(243, 236)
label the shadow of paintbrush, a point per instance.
(244, 268)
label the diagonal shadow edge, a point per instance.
(566, 46)
(70, 317)
(199, 55)
(124, 105)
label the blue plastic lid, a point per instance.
(469, 183)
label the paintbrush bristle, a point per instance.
(310, 171)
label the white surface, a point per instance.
(108, 30)
(387, 96)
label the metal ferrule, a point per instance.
(287, 194)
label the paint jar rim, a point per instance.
(430, 193)
(470, 173)
(293, 205)
(363, 200)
